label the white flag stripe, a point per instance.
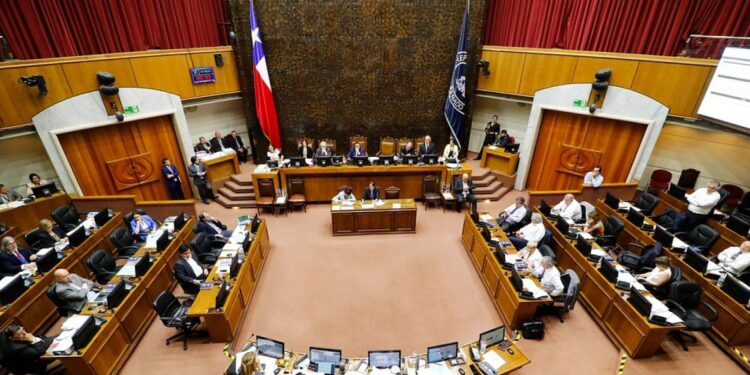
(263, 72)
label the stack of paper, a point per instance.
(494, 360)
(396, 205)
(485, 217)
(447, 195)
(538, 292)
(677, 243)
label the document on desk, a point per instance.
(439, 368)
(656, 305)
(396, 205)
(493, 359)
(586, 236)
(447, 195)
(368, 206)
(677, 243)
(538, 292)
(280, 200)
(599, 252)
(485, 217)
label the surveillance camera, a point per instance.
(37, 81)
(119, 116)
(592, 109)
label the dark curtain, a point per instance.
(52, 28)
(655, 27)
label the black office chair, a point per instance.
(567, 300)
(173, 314)
(203, 245)
(744, 206)
(127, 219)
(661, 292)
(744, 276)
(670, 220)
(103, 265)
(546, 251)
(66, 217)
(124, 242)
(216, 242)
(582, 220)
(701, 237)
(636, 262)
(723, 196)
(32, 239)
(612, 229)
(62, 310)
(739, 223)
(646, 203)
(684, 300)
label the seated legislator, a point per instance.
(344, 196)
(13, 258)
(594, 225)
(48, 234)
(533, 231)
(202, 146)
(408, 150)
(273, 153)
(356, 151)
(304, 150)
(503, 140)
(568, 208)
(513, 214)
(7, 195)
(427, 148)
(71, 289)
(210, 225)
(451, 150)
(549, 277)
(735, 259)
(217, 143)
(531, 256)
(235, 143)
(24, 351)
(188, 272)
(34, 181)
(142, 225)
(594, 177)
(658, 276)
(463, 190)
(323, 150)
(372, 192)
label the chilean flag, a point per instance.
(265, 107)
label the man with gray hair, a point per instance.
(533, 231)
(702, 201)
(71, 289)
(569, 208)
(549, 277)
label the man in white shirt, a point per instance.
(513, 214)
(549, 277)
(594, 178)
(533, 231)
(569, 208)
(701, 202)
(735, 259)
(531, 256)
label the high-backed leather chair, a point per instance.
(392, 192)
(688, 178)
(128, 218)
(403, 141)
(646, 203)
(612, 229)
(205, 248)
(32, 238)
(297, 193)
(124, 241)
(103, 265)
(702, 237)
(387, 147)
(173, 314)
(66, 217)
(265, 195)
(684, 300)
(358, 138)
(660, 179)
(734, 196)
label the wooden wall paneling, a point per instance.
(618, 141)
(505, 68)
(677, 86)
(226, 76)
(541, 71)
(81, 75)
(556, 130)
(19, 103)
(169, 73)
(623, 71)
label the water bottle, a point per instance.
(723, 277)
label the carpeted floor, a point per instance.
(404, 291)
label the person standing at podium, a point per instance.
(491, 130)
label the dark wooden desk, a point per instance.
(351, 220)
(223, 325)
(497, 159)
(26, 217)
(221, 167)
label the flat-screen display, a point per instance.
(492, 336)
(384, 358)
(441, 353)
(270, 348)
(727, 99)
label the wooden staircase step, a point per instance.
(226, 203)
(493, 196)
(239, 188)
(235, 196)
(489, 188)
(485, 181)
(241, 179)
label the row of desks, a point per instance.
(733, 325)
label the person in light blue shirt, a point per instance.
(345, 195)
(594, 178)
(142, 225)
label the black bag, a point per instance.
(532, 329)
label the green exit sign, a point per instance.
(579, 103)
(131, 109)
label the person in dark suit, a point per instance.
(323, 150)
(48, 234)
(202, 145)
(217, 143)
(356, 151)
(408, 150)
(503, 140)
(174, 183)
(24, 351)
(427, 148)
(12, 257)
(188, 272)
(304, 150)
(198, 173)
(463, 189)
(71, 289)
(209, 225)
(491, 130)
(372, 192)
(235, 143)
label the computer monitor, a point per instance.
(85, 333)
(77, 237)
(255, 224)
(486, 232)
(384, 358)
(323, 355)
(360, 161)
(101, 217)
(221, 296)
(429, 159)
(635, 217)
(641, 304)
(545, 208)
(512, 148)
(736, 289)
(12, 290)
(385, 160)
(143, 264)
(297, 161)
(451, 161)
(179, 222)
(676, 191)
(117, 295)
(695, 260)
(492, 337)
(323, 161)
(337, 159)
(443, 352)
(583, 246)
(270, 348)
(272, 164)
(516, 280)
(563, 225)
(234, 267)
(738, 226)
(247, 241)
(475, 217)
(47, 261)
(163, 241)
(612, 201)
(409, 159)
(609, 271)
(663, 237)
(44, 190)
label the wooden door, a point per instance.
(569, 145)
(125, 159)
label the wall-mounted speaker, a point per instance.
(219, 59)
